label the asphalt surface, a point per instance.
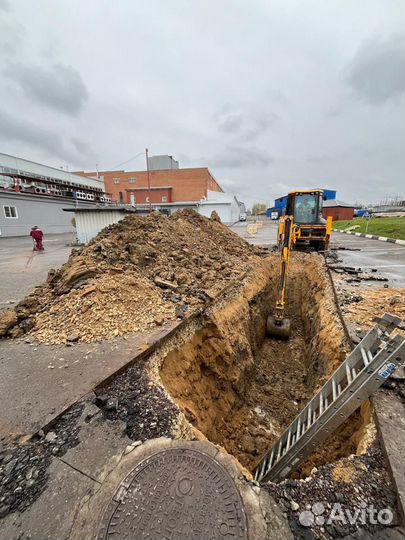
(388, 259)
(22, 269)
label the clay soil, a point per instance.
(138, 273)
(241, 389)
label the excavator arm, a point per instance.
(278, 325)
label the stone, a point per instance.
(112, 404)
(8, 318)
(51, 436)
(4, 510)
(165, 284)
(101, 400)
(294, 506)
(8, 468)
(74, 338)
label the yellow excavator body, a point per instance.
(302, 223)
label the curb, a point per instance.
(373, 237)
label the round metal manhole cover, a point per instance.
(176, 494)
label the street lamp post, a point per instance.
(147, 172)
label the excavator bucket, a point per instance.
(278, 327)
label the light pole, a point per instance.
(147, 172)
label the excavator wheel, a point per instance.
(278, 327)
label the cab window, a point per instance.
(305, 208)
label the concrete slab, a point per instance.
(266, 235)
(32, 392)
(22, 269)
(53, 514)
(390, 420)
(101, 444)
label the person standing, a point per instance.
(37, 235)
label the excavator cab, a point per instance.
(305, 208)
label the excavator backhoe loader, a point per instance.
(302, 224)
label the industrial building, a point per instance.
(165, 183)
(338, 210)
(35, 194)
(167, 187)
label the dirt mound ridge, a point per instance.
(169, 266)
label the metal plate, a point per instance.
(177, 494)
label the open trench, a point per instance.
(241, 389)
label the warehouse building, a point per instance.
(35, 194)
(338, 210)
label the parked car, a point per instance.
(242, 216)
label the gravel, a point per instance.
(133, 398)
(23, 467)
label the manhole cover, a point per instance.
(178, 493)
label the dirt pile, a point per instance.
(139, 272)
(362, 305)
(125, 303)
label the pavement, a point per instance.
(87, 490)
(387, 258)
(22, 269)
(38, 381)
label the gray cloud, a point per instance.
(231, 123)
(48, 141)
(58, 86)
(4, 5)
(244, 122)
(377, 73)
(286, 113)
(239, 156)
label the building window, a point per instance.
(116, 180)
(10, 212)
(131, 180)
(164, 198)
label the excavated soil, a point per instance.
(138, 273)
(241, 389)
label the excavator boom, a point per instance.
(278, 325)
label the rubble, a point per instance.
(24, 467)
(334, 491)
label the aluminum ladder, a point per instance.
(373, 360)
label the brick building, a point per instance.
(340, 211)
(167, 185)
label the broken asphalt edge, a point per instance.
(373, 237)
(378, 421)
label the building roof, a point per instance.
(24, 167)
(333, 203)
(112, 208)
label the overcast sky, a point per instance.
(269, 94)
